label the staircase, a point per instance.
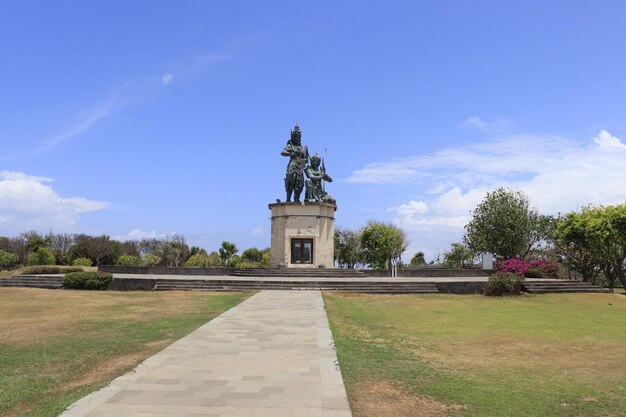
(561, 286)
(298, 273)
(33, 281)
(258, 285)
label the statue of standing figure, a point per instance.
(298, 157)
(316, 175)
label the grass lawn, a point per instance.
(438, 355)
(57, 346)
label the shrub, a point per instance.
(503, 283)
(8, 260)
(128, 260)
(534, 269)
(42, 256)
(149, 259)
(542, 269)
(87, 281)
(82, 262)
(514, 266)
(198, 260)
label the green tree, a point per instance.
(8, 260)
(214, 259)
(251, 255)
(606, 231)
(128, 260)
(34, 240)
(266, 257)
(573, 243)
(226, 252)
(173, 250)
(504, 224)
(42, 256)
(348, 250)
(197, 250)
(459, 256)
(198, 260)
(418, 259)
(148, 259)
(383, 244)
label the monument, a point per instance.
(303, 231)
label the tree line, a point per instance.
(33, 248)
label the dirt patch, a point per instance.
(106, 370)
(384, 399)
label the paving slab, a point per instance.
(272, 355)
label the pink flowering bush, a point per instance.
(533, 269)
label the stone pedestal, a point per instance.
(303, 235)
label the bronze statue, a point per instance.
(298, 156)
(316, 175)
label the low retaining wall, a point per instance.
(132, 284)
(460, 287)
(408, 273)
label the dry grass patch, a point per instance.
(58, 345)
(556, 355)
(383, 399)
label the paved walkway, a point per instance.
(271, 355)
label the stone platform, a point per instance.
(386, 285)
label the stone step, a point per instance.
(565, 286)
(356, 290)
(567, 290)
(33, 281)
(295, 283)
(344, 286)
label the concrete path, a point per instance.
(271, 355)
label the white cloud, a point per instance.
(496, 126)
(137, 234)
(167, 78)
(87, 120)
(609, 142)
(26, 202)
(557, 173)
(257, 231)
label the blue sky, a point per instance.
(145, 118)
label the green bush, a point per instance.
(198, 260)
(503, 283)
(128, 260)
(82, 262)
(149, 259)
(8, 260)
(87, 281)
(49, 269)
(42, 256)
